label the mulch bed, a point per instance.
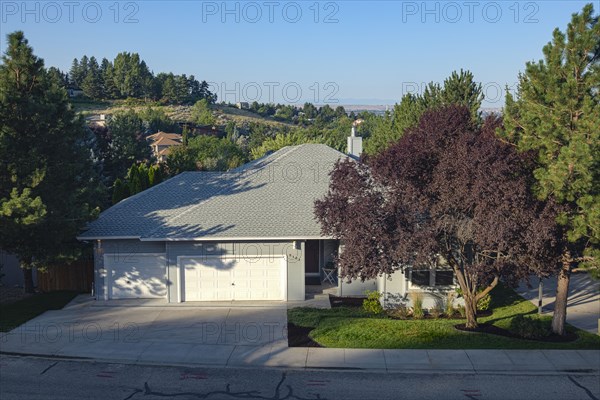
(337, 301)
(298, 336)
(494, 330)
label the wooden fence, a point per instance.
(78, 276)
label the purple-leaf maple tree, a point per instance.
(447, 188)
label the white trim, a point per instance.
(84, 238)
(235, 239)
(108, 273)
(168, 273)
(284, 275)
(205, 239)
(179, 280)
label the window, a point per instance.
(420, 277)
(431, 277)
(444, 278)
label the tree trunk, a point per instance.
(28, 279)
(471, 311)
(562, 293)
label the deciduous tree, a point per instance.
(447, 188)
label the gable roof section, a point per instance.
(165, 141)
(269, 198)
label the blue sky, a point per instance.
(353, 52)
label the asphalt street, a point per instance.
(40, 378)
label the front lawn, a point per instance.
(19, 312)
(353, 328)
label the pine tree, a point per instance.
(459, 88)
(75, 75)
(46, 174)
(556, 112)
(92, 82)
(108, 84)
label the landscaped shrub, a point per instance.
(399, 312)
(462, 311)
(529, 328)
(417, 301)
(436, 312)
(449, 309)
(484, 303)
(371, 304)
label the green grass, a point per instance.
(19, 312)
(353, 328)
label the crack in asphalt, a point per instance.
(251, 394)
(136, 391)
(579, 385)
(49, 367)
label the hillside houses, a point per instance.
(162, 142)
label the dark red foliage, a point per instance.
(446, 188)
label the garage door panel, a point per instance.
(139, 276)
(232, 279)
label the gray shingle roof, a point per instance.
(272, 197)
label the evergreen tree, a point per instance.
(127, 144)
(46, 176)
(75, 74)
(391, 127)
(201, 113)
(108, 83)
(185, 135)
(120, 191)
(458, 89)
(556, 112)
(58, 76)
(92, 83)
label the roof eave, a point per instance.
(85, 238)
(236, 238)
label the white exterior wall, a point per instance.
(355, 288)
(397, 290)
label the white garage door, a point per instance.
(214, 279)
(135, 276)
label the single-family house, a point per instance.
(162, 142)
(246, 234)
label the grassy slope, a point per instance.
(352, 328)
(177, 113)
(17, 313)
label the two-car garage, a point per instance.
(198, 278)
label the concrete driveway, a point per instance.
(151, 333)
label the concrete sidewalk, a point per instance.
(277, 354)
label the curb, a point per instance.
(432, 371)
